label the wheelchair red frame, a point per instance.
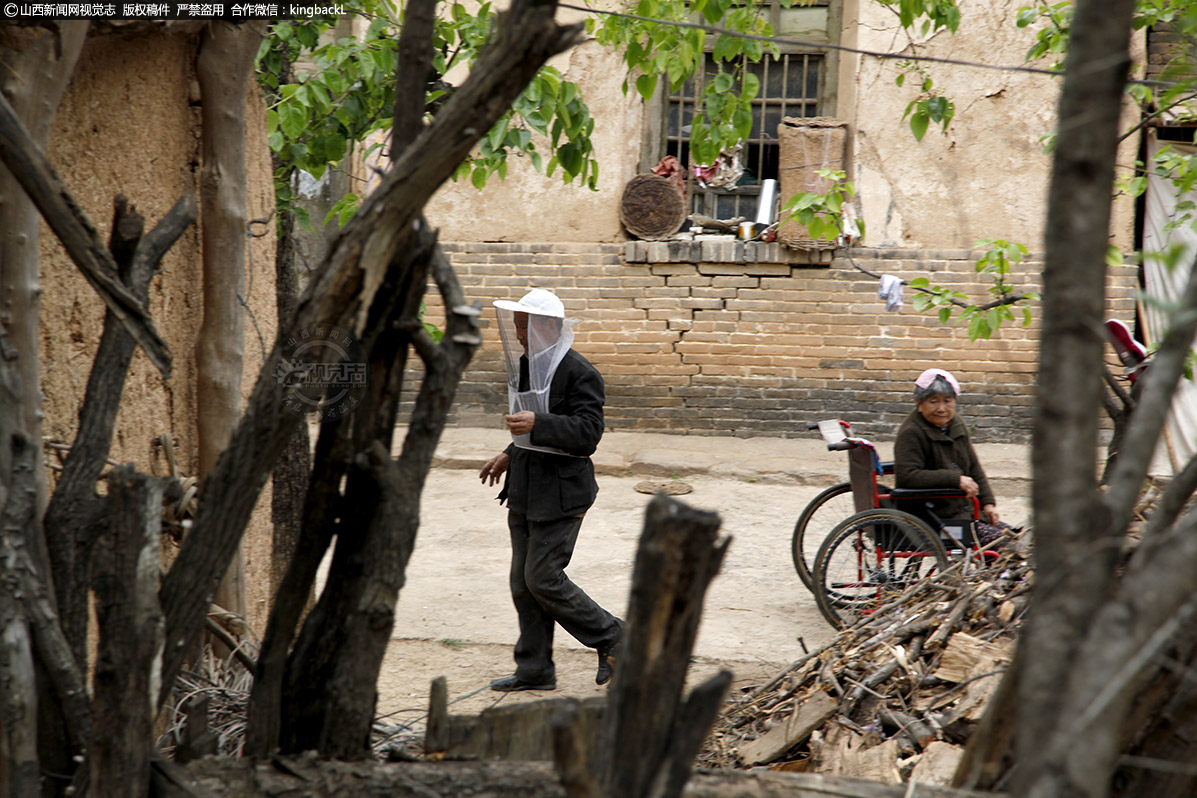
(873, 555)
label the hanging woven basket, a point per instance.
(652, 208)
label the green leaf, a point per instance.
(646, 85)
(742, 121)
(723, 82)
(918, 124)
(1113, 256)
(726, 48)
(752, 86)
(479, 177)
(937, 108)
(293, 118)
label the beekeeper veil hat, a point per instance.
(536, 335)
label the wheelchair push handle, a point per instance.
(838, 435)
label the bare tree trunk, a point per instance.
(342, 295)
(130, 647)
(293, 470)
(381, 517)
(38, 65)
(1075, 546)
(224, 68)
(19, 697)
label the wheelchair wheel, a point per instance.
(869, 559)
(817, 520)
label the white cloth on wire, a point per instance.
(891, 291)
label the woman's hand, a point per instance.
(494, 469)
(969, 486)
(990, 513)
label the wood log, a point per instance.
(306, 777)
(198, 740)
(809, 716)
(965, 651)
(130, 636)
(677, 558)
(521, 732)
(573, 757)
(18, 699)
(651, 207)
(937, 764)
(916, 730)
(692, 726)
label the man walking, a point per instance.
(556, 420)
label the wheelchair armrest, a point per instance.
(925, 493)
(887, 466)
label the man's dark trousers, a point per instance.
(544, 595)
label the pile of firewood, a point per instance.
(895, 696)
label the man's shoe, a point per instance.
(511, 684)
(606, 665)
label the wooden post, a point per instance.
(131, 636)
(650, 736)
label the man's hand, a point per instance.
(520, 423)
(991, 514)
(494, 469)
(969, 486)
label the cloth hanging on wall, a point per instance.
(1166, 286)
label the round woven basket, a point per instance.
(652, 207)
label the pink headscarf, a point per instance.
(928, 377)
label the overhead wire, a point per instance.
(817, 45)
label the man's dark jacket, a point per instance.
(545, 486)
(927, 457)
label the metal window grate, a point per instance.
(789, 87)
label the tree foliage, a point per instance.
(341, 104)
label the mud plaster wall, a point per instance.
(987, 176)
(518, 209)
(130, 123)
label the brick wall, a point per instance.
(741, 341)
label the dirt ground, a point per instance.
(455, 617)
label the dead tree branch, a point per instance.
(76, 232)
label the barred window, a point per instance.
(789, 87)
(798, 83)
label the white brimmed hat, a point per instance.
(538, 301)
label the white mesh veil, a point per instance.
(534, 320)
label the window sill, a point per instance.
(723, 251)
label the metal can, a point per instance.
(747, 231)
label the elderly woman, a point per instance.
(933, 451)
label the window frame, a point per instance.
(655, 143)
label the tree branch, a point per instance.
(339, 295)
(76, 232)
(1009, 299)
(411, 76)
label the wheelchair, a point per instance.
(891, 541)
